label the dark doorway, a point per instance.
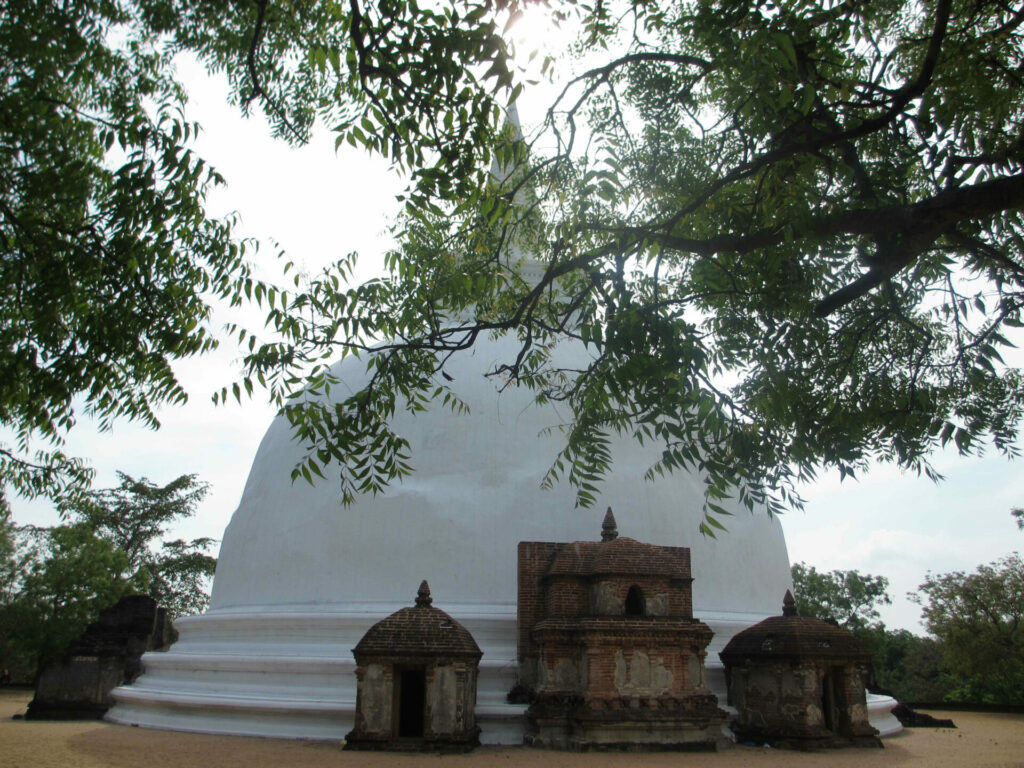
(634, 602)
(829, 705)
(412, 702)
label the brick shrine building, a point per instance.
(416, 675)
(610, 656)
(798, 682)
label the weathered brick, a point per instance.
(798, 681)
(429, 643)
(608, 647)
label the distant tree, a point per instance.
(849, 597)
(9, 571)
(12, 567)
(71, 577)
(979, 617)
(134, 517)
(55, 581)
(1018, 515)
(906, 665)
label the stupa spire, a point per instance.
(423, 598)
(788, 605)
(515, 255)
(514, 130)
(609, 530)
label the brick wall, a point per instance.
(567, 597)
(663, 596)
(534, 558)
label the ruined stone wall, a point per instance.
(566, 597)
(773, 697)
(451, 700)
(614, 658)
(611, 656)
(611, 683)
(561, 667)
(375, 700)
(449, 717)
(78, 684)
(784, 700)
(644, 665)
(852, 689)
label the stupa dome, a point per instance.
(474, 495)
(302, 577)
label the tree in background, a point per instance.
(14, 563)
(906, 665)
(903, 664)
(1018, 514)
(849, 597)
(134, 518)
(72, 575)
(55, 581)
(979, 619)
(10, 570)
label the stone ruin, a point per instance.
(77, 685)
(798, 682)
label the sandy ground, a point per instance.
(979, 741)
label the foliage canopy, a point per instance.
(107, 258)
(789, 233)
(54, 581)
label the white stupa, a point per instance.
(301, 577)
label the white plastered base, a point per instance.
(289, 672)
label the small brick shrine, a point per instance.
(798, 682)
(609, 652)
(416, 674)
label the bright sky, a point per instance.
(320, 206)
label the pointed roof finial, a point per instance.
(609, 531)
(423, 598)
(789, 605)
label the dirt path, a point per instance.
(979, 741)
